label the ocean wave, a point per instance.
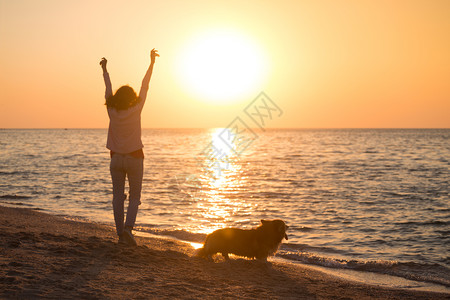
(291, 247)
(14, 197)
(17, 204)
(425, 223)
(18, 173)
(304, 229)
(71, 156)
(433, 273)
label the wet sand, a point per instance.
(45, 256)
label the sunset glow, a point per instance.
(326, 64)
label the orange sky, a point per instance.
(326, 63)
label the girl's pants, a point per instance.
(123, 165)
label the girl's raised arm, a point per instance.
(148, 75)
(108, 91)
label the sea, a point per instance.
(372, 200)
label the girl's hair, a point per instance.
(124, 98)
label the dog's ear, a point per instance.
(285, 228)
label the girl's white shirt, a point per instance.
(124, 132)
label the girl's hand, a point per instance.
(103, 63)
(153, 55)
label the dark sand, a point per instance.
(44, 256)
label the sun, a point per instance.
(221, 66)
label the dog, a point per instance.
(258, 243)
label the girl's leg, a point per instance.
(118, 180)
(135, 173)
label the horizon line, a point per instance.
(205, 128)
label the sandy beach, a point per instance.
(45, 256)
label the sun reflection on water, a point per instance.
(222, 178)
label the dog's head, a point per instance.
(278, 226)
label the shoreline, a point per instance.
(48, 256)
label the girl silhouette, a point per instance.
(125, 145)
